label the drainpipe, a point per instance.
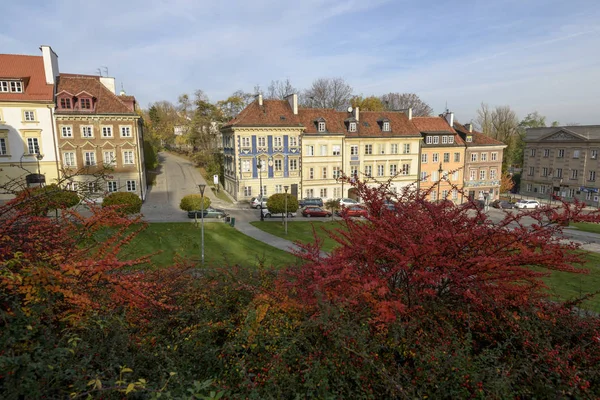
(56, 153)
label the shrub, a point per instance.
(39, 201)
(193, 202)
(276, 203)
(129, 203)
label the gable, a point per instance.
(563, 135)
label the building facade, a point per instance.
(562, 161)
(100, 137)
(27, 132)
(483, 163)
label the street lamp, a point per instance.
(202, 186)
(439, 181)
(286, 210)
(39, 157)
(259, 165)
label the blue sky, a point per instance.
(533, 55)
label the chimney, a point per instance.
(293, 100)
(50, 64)
(356, 113)
(260, 100)
(109, 83)
(409, 113)
(449, 118)
(469, 127)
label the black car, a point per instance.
(502, 204)
(310, 201)
(208, 213)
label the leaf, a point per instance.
(130, 388)
(124, 370)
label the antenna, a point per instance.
(99, 71)
(105, 69)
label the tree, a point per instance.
(506, 183)
(126, 203)
(502, 124)
(404, 101)
(370, 103)
(276, 204)
(332, 205)
(40, 201)
(234, 104)
(160, 120)
(193, 202)
(328, 93)
(278, 90)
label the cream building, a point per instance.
(27, 131)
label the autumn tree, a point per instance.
(370, 103)
(404, 101)
(328, 93)
(234, 104)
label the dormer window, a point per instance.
(352, 127)
(386, 126)
(85, 104)
(469, 139)
(65, 103)
(11, 86)
(321, 126)
(428, 140)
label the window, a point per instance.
(92, 187)
(90, 158)
(473, 157)
(311, 173)
(368, 170)
(247, 191)
(125, 131)
(293, 164)
(386, 126)
(108, 158)
(469, 139)
(531, 171)
(131, 186)
(444, 194)
(592, 176)
(128, 157)
(353, 150)
(532, 152)
(472, 174)
(86, 131)
(85, 104)
(278, 165)
(4, 86)
(455, 176)
(424, 176)
(69, 159)
(450, 139)
(433, 195)
(65, 103)
(352, 127)
(293, 141)
(323, 149)
(393, 169)
(454, 194)
(264, 191)
(380, 170)
(278, 141)
(261, 141)
(529, 187)
(337, 192)
(321, 126)
(278, 188)
(558, 172)
(424, 158)
(381, 148)
(436, 140)
(483, 156)
(493, 173)
(324, 172)
(435, 176)
(406, 148)
(66, 131)
(482, 175)
(354, 171)
(405, 169)
(310, 150)
(446, 157)
(107, 131)
(428, 140)
(593, 154)
(246, 165)
(561, 153)
(336, 149)
(456, 157)
(112, 186)
(546, 152)
(245, 142)
(435, 157)
(544, 171)
(575, 153)
(444, 139)
(368, 149)
(494, 156)
(29, 116)
(323, 192)
(571, 193)
(16, 86)
(310, 193)
(337, 172)
(394, 148)
(33, 145)
(574, 174)
(3, 147)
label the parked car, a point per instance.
(502, 204)
(314, 211)
(521, 204)
(354, 211)
(269, 214)
(256, 201)
(208, 213)
(310, 201)
(347, 202)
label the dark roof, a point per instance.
(589, 132)
(106, 101)
(31, 70)
(271, 113)
(479, 139)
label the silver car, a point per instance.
(527, 204)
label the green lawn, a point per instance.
(586, 226)
(223, 245)
(302, 231)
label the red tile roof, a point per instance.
(479, 139)
(31, 70)
(432, 124)
(271, 113)
(106, 101)
(371, 124)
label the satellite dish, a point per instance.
(349, 109)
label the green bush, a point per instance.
(276, 203)
(39, 201)
(129, 202)
(193, 202)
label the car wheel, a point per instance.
(267, 215)
(307, 215)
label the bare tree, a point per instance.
(484, 120)
(328, 93)
(403, 101)
(501, 123)
(280, 89)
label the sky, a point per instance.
(533, 55)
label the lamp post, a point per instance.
(39, 157)
(286, 210)
(202, 186)
(259, 165)
(439, 181)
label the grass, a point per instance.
(586, 226)
(302, 231)
(223, 245)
